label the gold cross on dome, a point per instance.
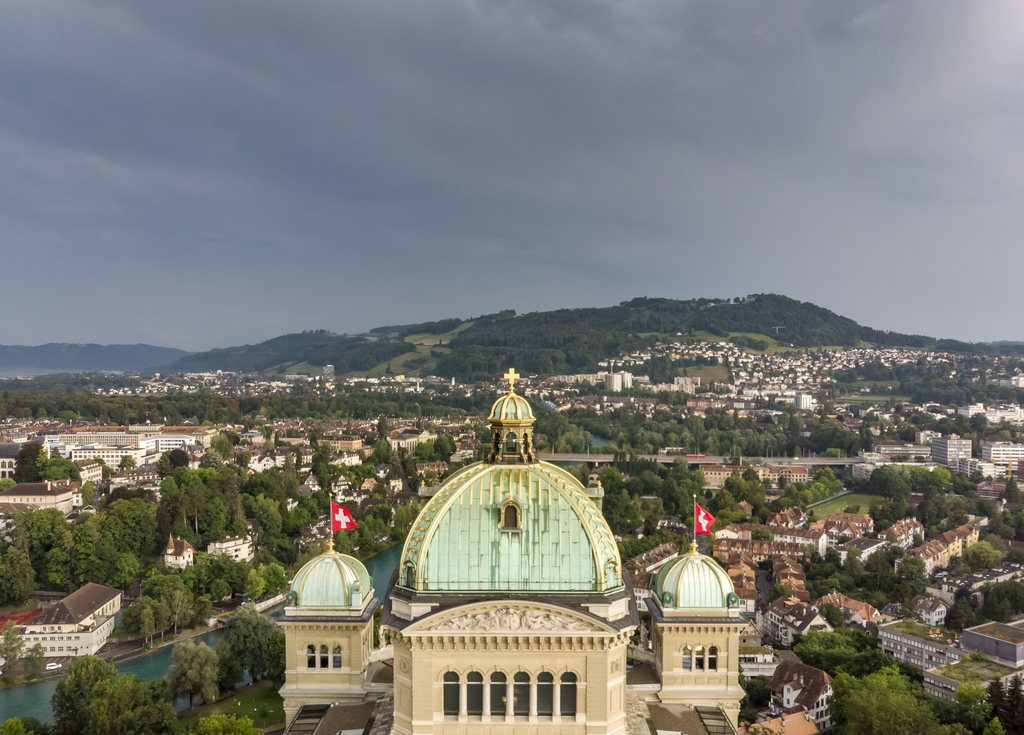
(511, 377)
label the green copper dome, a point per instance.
(511, 407)
(332, 581)
(512, 528)
(694, 582)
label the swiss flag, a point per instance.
(704, 520)
(341, 519)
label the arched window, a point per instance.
(568, 695)
(510, 517)
(521, 693)
(475, 693)
(698, 658)
(324, 662)
(511, 444)
(311, 656)
(713, 658)
(545, 694)
(337, 656)
(498, 687)
(410, 576)
(451, 693)
(687, 658)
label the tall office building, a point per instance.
(949, 450)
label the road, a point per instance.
(671, 458)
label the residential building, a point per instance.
(8, 455)
(111, 456)
(889, 449)
(799, 685)
(902, 532)
(858, 614)
(866, 547)
(814, 537)
(90, 471)
(788, 518)
(758, 550)
(931, 609)
(49, 494)
(924, 653)
(947, 451)
(409, 438)
(1001, 452)
(940, 550)
(237, 548)
(342, 442)
(654, 559)
(803, 402)
(795, 723)
(78, 625)
(788, 616)
(179, 553)
(974, 583)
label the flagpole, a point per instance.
(694, 522)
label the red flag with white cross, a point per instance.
(341, 519)
(702, 519)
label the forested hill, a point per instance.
(84, 357)
(566, 340)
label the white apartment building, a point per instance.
(237, 548)
(179, 553)
(111, 455)
(987, 469)
(59, 495)
(78, 625)
(998, 451)
(949, 450)
(803, 402)
(616, 382)
(971, 409)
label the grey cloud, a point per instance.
(267, 167)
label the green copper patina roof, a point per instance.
(511, 407)
(332, 581)
(563, 543)
(693, 582)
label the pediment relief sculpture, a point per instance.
(510, 619)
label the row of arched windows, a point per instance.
(326, 658)
(700, 659)
(519, 696)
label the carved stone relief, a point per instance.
(510, 619)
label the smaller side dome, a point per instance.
(694, 582)
(332, 581)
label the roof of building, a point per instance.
(38, 489)
(999, 631)
(928, 604)
(334, 581)
(811, 681)
(694, 583)
(77, 606)
(562, 542)
(511, 407)
(177, 547)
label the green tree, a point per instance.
(248, 635)
(972, 706)
(70, 701)
(194, 670)
(226, 725)
(994, 727)
(274, 577)
(879, 704)
(27, 463)
(11, 645)
(776, 592)
(17, 577)
(833, 615)
(32, 662)
(88, 493)
(147, 624)
(127, 463)
(14, 726)
(982, 556)
(124, 705)
(229, 671)
(255, 585)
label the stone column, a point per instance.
(486, 713)
(556, 707)
(462, 700)
(509, 701)
(533, 700)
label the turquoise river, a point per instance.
(33, 700)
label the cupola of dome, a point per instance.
(694, 583)
(331, 581)
(511, 422)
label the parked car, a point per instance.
(54, 666)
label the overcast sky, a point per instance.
(209, 173)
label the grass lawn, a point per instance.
(835, 505)
(709, 373)
(249, 701)
(433, 339)
(873, 398)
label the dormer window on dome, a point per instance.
(510, 515)
(511, 422)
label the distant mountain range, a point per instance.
(562, 341)
(544, 342)
(19, 360)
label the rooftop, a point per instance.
(1001, 631)
(974, 668)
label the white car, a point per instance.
(54, 666)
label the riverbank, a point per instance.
(259, 702)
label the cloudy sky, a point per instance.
(198, 174)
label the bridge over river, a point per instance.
(809, 462)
